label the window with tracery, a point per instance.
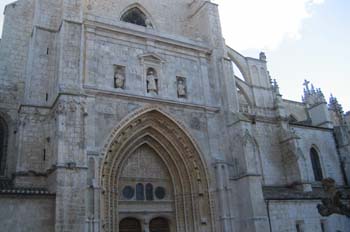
(316, 164)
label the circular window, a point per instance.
(128, 192)
(160, 193)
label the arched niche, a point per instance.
(159, 225)
(130, 225)
(173, 145)
(252, 154)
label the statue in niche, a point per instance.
(181, 87)
(119, 77)
(152, 81)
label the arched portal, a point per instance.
(130, 225)
(151, 138)
(159, 225)
(3, 145)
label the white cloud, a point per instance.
(263, 24)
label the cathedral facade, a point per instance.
(127, 115)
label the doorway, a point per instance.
(130, 225)
(159, 225)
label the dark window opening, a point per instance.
(159, 225)
(135, 16)
(3, 145)
(140, 196)
(316, 165)
(299, 226)
(128, 192)
(160, 193)
(130, 225)
(149, 192)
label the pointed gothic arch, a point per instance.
(316, 164)
(252, 154)
(137, 14)
(3, 145)
(179, 153)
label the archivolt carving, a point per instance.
(180, 154)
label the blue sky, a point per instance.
(303, 39)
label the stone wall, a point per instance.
(64, 59)
(285, 215)
(162, 14)
(104, 53)
(323, 141)
(27, 213)
(34, 140)
(106, 112)
(296, 109)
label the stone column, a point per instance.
(71, 167)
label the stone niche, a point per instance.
(152, 69)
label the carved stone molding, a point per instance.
(180, 154)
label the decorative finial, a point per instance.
(306, 84)
(337, 109)
(312, 95)
(262, 56)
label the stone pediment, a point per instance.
(151, 57)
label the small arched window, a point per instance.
(140, 192)
(149, 192)
(136, 16)
(3, 145)
(316, 164)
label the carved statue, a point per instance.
(332, 204)
(148, 23)
(152, 85)
(181, 89)
(119, 79)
